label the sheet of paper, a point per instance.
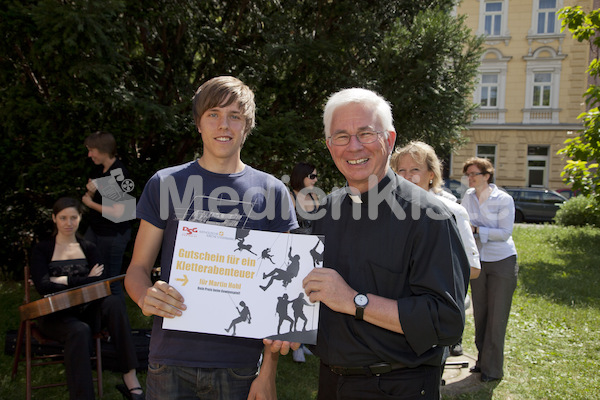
(245, 283)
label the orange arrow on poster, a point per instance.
(184, 279)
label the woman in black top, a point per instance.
(304, 177)
(109, 221)
(67, 261)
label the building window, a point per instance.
(545, 27)
(542, 84)
(490, 93)
(493, 21)
(542, 88)
(493, 18)
(489, 90)
(546, 16)
(487, 151)
(537, 166)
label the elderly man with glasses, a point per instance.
(395, 274)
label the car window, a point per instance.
(552, 198)
(531, 197)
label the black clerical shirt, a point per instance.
(398, 241)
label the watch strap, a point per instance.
(360, 312)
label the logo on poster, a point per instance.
(187, 231)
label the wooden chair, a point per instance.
(30, 310)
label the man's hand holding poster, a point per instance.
(245, 283)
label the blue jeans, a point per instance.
(182, 383)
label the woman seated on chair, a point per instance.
(67, 261)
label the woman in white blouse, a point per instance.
(492, 213)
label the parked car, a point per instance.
(455, 187)
(535, 204)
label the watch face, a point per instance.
(361, 300)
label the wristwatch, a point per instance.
(360, 301)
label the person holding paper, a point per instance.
(111, 236)
(394, 274)
(217, 188)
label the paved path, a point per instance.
(458, 379)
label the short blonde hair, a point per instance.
(422, 153)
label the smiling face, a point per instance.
(67, 221)
(222, 131)
(358, 161)
(414, 171)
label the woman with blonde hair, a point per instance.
(418, 163)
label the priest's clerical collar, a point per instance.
(355, 198)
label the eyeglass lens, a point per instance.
(343, 139)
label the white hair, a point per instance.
(365, 97)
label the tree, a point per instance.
(68, 68)
(428, 69)
(581, 170)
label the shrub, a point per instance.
(25, 219)
(579, 211)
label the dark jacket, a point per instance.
(41, 256)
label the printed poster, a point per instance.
(245, 283)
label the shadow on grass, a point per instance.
(570, 272)
(470, 388)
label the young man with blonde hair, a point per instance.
(193, 365)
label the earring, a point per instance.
(431, 181)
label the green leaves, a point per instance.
(583, 26)
(582, 170)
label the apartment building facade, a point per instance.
(531, 81)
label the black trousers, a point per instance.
(74, 327)
(408, 383)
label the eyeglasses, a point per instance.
(342, 139)
(312, 176)
(472, 174)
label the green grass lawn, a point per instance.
(552, 344)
